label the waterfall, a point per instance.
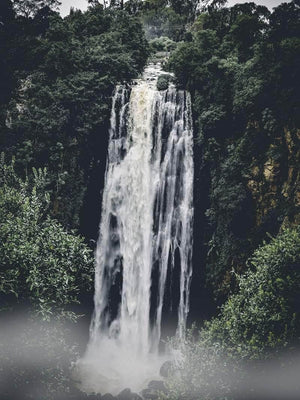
(146, 223)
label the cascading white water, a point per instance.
(146, 224)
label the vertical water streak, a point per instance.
(174, 211)
(147, 214)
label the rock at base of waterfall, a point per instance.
(166, 369)
(76, 393)
(157, 385)
(148, 394)
(127, 394)
(108, 396)
(163, 82)
(154, 390)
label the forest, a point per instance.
(240, 65)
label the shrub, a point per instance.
(41, 264)
(162, 43)
(263, 316)
(163, 82)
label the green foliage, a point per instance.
(186, 7)
(60, 110)
(240, 67)
(258, 322)
(263, 316)
(7, 35)
(163, 82)
(247, 88)
(41, 263)
(229, 202)
(163, 22)
(162, 43)
(29, 8)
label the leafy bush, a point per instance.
(163, 82)
(64, 79)
(40, 262)
(163, 22)
(162, 43)
(263, 316)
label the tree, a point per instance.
(107, 3)
(284, 21)
(117, 4)
(41, 264)
(186, 7)
(248, 23)
(241, 66)
(76, 62)
(29, 8)
(133, 6)
(6, 11)
(263, 316)
(8, 32)
(257, 322)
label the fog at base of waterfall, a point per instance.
(36, 348)
(110, 367)
(145, 230)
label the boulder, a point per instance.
(155, 388)
(78, 394)
(163, 82)
(108, 396)
(166, 369)
(149, 394)
(158, 386)
(127, 394)
(135, 396)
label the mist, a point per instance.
(37, 356)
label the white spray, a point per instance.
(147, 216)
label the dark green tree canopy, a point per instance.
(29, 8)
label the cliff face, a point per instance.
(291, 186)
(275, 183)
(253, 191)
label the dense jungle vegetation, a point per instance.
(57, 75)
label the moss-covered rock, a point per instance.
(163, 82)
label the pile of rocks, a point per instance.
(153, 391)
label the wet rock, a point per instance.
(166, 369)
(108, 396)
(163, 82)
(82, 396)
(149, 394)
(127, 394)
(155, 388)
(77, 394)
(158, 386)
(135, 396)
